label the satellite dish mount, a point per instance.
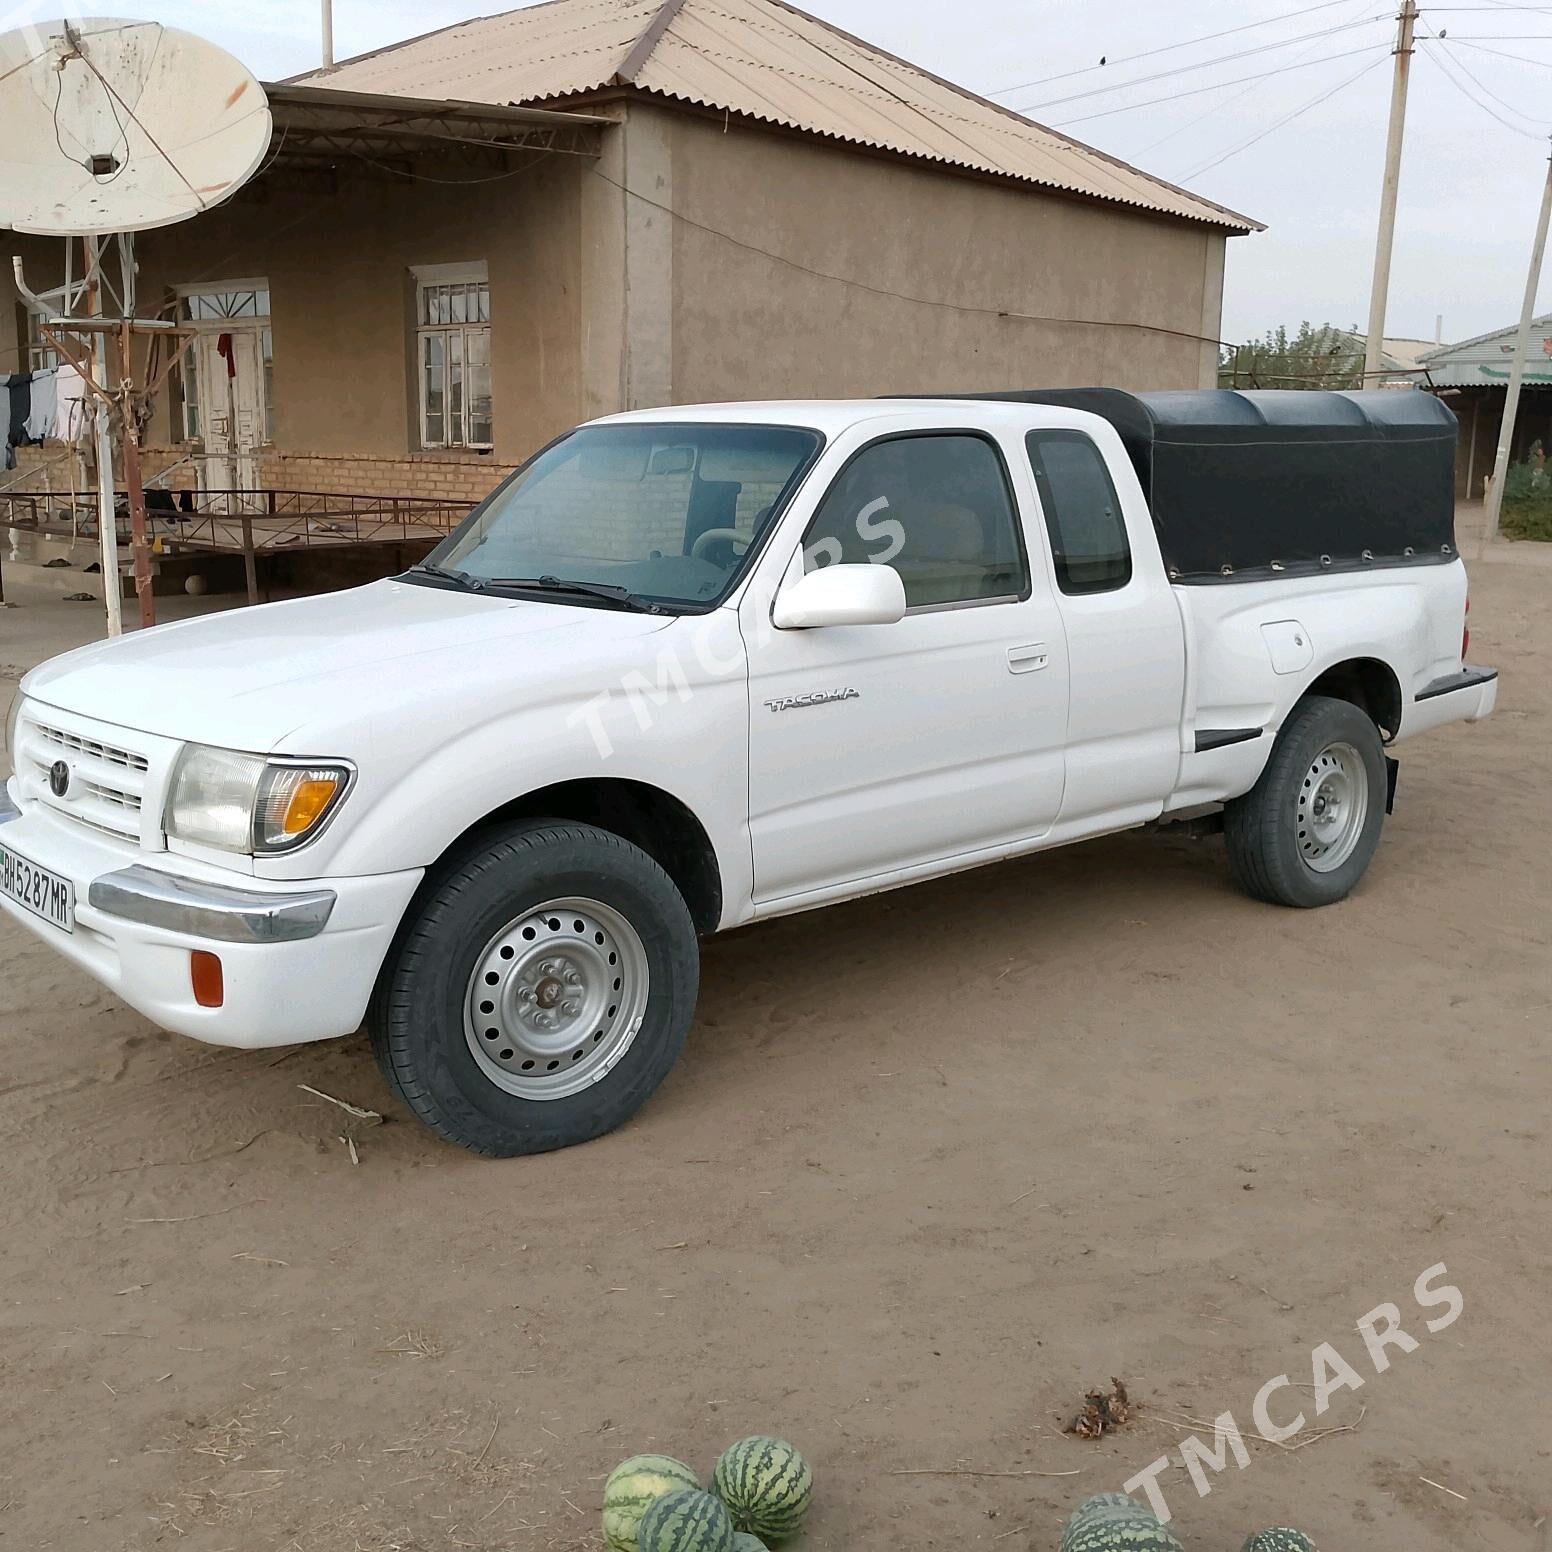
(107, 128)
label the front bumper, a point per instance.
(298, 962)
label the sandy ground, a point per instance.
(933, 1165)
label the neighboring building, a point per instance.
(1400, 361)
(1473, 379)
(463, 244)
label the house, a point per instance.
(1400, 360)
(462, 244)
(1473, 379)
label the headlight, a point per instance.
(250, 803)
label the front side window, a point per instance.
(935, 507)
(668, 512)
(1082, 512)
(453, 357)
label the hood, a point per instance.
(248, 677)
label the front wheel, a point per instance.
(541, 992)
(1306, 832)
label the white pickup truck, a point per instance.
(694, 668)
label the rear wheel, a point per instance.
(541, 993)
(1306, 832)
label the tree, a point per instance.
(1318, 356)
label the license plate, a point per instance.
(37, 890)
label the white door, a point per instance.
(878, 748)
(231, 375)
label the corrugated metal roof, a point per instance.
(1484, 362)
(761, 58)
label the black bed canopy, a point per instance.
(1243, 484)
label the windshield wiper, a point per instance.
(615, 595)
(464, 579)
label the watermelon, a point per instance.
(766, 1485)
(1116, 1522)
(633, 1486)
(744, 1542)
(1280, 1538)
(686, 1520)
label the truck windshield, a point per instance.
(665, 513)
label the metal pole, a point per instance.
(107, 521)
(328, 33)
(1521, 349)
(1380, 292)
(130, 432)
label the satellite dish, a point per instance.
(118, 126)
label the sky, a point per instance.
(1301, 150)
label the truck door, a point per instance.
(878, 748)
(1123, 630)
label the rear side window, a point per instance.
(1082, 512)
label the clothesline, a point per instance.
(41, 406)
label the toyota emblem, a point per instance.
(59, 778)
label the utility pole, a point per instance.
(1380, 293)
(1521, 350)
(328, 33)
(107, 515)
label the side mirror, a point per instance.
(841, 595)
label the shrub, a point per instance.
(1527, 501)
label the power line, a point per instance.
(1207, 112)
(1064, 75)
(1519, 59)
(1449, 66)
(1011, 314)
(1205, 64)
(1217, 86)
(1482, 86)
(1288, 118)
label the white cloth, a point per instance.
(40, 418)
(69, 408)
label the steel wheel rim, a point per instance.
(1332, 807)
(556, 998)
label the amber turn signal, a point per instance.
(206, 978)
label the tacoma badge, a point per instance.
(813, 698)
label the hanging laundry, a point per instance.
(69, 403)
(40, 417)
(17, 405)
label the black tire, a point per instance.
(417, 1015)
(1262, 828)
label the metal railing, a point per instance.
(214, 520)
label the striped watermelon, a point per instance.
(744, 1542)
(1116, 1522)
(1280, 1538)
(686, 1520)
(1091, 1506)
(766, 1485)
(633, 1486)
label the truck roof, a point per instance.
(828, 415)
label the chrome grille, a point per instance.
(107, 781)
(91, 748)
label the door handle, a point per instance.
(1025, 660)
